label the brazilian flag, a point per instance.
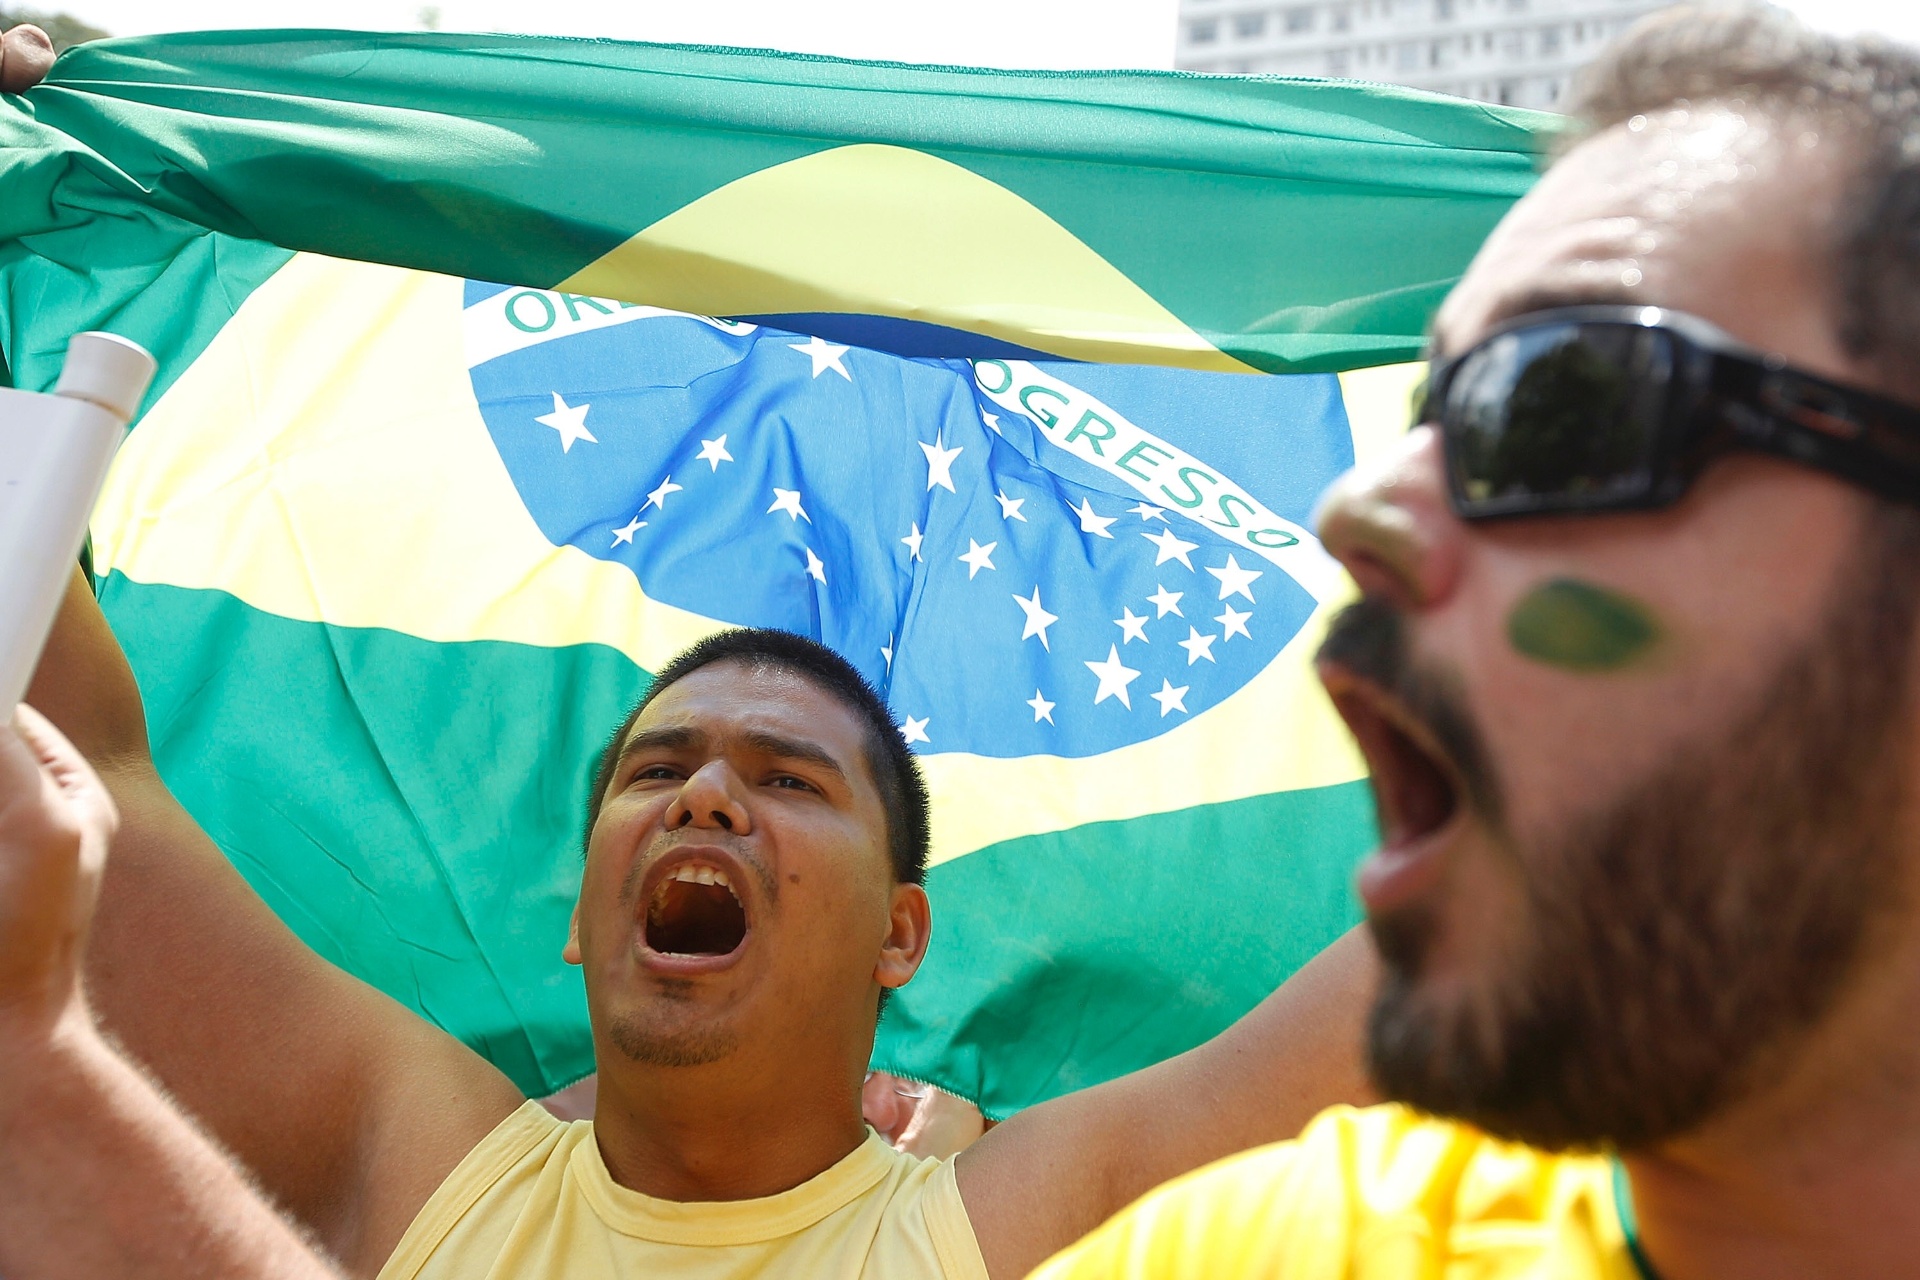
(494, 370)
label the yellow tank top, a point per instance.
(534, 1201)
(1375, 1194)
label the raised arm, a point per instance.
(1056, 1171)
(100, 1179)
(349, 1109)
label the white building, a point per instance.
(1520, 52)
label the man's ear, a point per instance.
(26, 55)
(571, 952)
(910, 925)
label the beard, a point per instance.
(1677, 945)
(651, 1040)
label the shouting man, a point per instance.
(757, 838)
(1636, 675)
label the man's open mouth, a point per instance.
(694, 911)
(1416, 789)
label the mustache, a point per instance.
(667, 842)
(1369, 639)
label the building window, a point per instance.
(1206, 31)
(1409, 57)
(1342, 18)
(1443, 10)
(1336, 62)
(1549, 41)
(1248, 25)
(1507, 90)
(1299, 19)
(1516, 6)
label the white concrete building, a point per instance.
(1520, 52)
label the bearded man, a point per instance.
(1635, 673)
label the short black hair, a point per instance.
(1867, 89)
(896, 774)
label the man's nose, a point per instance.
(1391, 526)
(711, 799)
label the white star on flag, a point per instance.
(715, 452)
(1170, 698)
(825, 355)
(993, 425)
(1132, 627)
(1009, 507)
(1235, 581)
(788, 500)
(816, 567)
(570, 420)
(886, 651)
(625, 535)
(940, 462)
(1042, 709)
(1147, 511)
(658, 498)
(915, 730)
(1167, 602)
(1171, 547)
(913, 540)
(1038, 619)
(1115, 676)
(1235, 623)
(977, 557)
(1090, 521)
(1197, 646)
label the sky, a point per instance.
(1059, 34)
(1062, 34)
(1897, 18)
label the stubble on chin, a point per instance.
(1679, 944)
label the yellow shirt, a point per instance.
(1379, 1194)
(534, 1201)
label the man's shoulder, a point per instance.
(495, 1178)
(538, 1187)
(1359, 1184)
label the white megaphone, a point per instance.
(54, 455)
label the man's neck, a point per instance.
(721, 1131)
(1814, 1174)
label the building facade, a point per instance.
(1517, 52)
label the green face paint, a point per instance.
(1576, 625)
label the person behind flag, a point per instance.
(100, 1176)
(750, 890)
(1637, 678)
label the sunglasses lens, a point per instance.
(1556, 416)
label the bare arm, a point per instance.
(347, 1108)
(99, 1176)
(1053, 1173)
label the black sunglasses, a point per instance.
(1610, 408)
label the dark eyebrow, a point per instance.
(1548, 298)
(773, 744)
(666, 738)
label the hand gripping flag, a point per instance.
(993, 411)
